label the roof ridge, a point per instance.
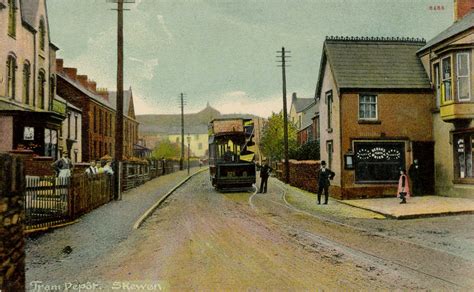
(377, 39)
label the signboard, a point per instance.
(226, 126)
(29, 134)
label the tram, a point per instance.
(232, 153)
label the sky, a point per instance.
(224, 51)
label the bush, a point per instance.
(308, 151)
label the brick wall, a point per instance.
(12, 253)
(303, 174)
(35, 165)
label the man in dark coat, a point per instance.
(416, 177)
(264, 174)
(325, 174)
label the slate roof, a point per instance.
(308, 115)
(457, 27)
(29, 9)
(127, 96)
(301, 103)
(374, 63)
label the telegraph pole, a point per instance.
(119, 109)
(181, 167)
(283, 65)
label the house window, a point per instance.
(95, 120)
(446, 79)
(329, 107)
(100, 122)
(378, 162)
(52, 88)
(330, 151)
(318, 128)
(464, 154)
(11, 78)
(437, 84)
(463, 79)
(69, 125)
(12, 18)
(42, 35)
(367, 107)
(41, 84)
(26, 82)
(75, 127)
(299, 122)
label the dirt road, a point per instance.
(206, 240)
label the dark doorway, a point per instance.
(424, 152)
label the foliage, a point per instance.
(272, 141)
(167, 150)
(308, 151)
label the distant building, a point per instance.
(305, 133)
(29, 116)
(198, 142)
(374, 108)
(449, 60)
(298, 109)
(69, 137)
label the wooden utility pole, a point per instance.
(283, 65)
(181, 162)
(119, 105)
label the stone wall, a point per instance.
(12, 253)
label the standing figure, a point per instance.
(92, 170)
(108, 168)
(63, 166)
(325, 174)
(264, 174)
(163, 165)
(403, 187)
(416, 177)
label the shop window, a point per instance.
(446, 79)
(463, 77)
(463, 151)
(378, 162)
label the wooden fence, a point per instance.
(50, 201)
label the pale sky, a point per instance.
(224, 51)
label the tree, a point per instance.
(308, 151)
(167, 149)
(272, 142)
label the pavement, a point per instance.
(380, 208)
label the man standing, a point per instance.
(416, 177)
(264, 174)
(325, 174)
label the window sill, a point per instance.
(370, 122)
(464, 181)
(12, 36)
(329, 130)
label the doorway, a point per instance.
(424, 152)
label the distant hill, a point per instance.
(195, 123)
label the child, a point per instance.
(403, 187)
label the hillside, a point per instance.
(195, 123)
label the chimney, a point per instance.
(83, 80)
(71, 72)
(92, 85)
(293, 97)
(59, 65)
(103, 92)
(462, 8)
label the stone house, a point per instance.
(449, 60)
(30, 118)
(298, 105)
(306, 132)
(374, 102)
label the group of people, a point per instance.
(326, 175)
(63, 167)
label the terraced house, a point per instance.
(29, 116)
(375, 103)
(448, 60)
